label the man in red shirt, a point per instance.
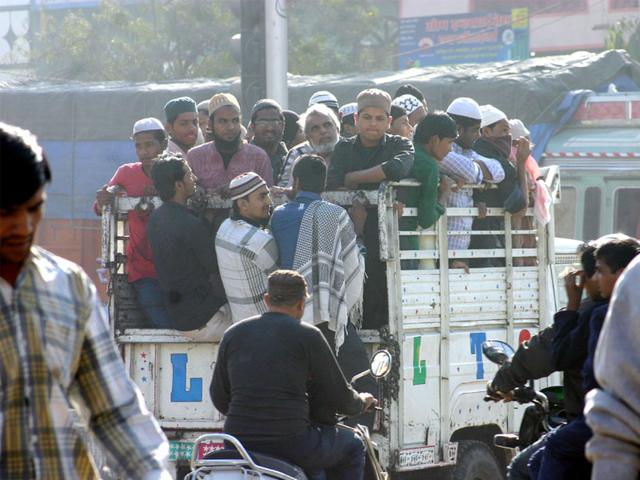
(134, 180)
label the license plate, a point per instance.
(415, 458)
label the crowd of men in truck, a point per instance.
(205, 271)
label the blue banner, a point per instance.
(466, 38)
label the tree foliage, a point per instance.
(157, 40)
(179, 39)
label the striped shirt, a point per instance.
(461, 163)
(56, 352)
(246, 256)
(286, 175)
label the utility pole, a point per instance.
(277, 54)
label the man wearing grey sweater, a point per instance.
(613, 412)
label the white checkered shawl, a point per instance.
(328, 256)
(246, 257)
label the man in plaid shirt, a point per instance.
(464, 165)
(56, 349)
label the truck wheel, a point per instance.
(476, 461)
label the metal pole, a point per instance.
(276, 50)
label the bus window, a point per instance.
(565, 213)
(627, 211)
(591, 224)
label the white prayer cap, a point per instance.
(322, 96)
(465, 107)
(348, 109)
(491, 115)
(147, 125)
(203, 106)
(518, 129)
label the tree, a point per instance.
(342, 36)
(179, 39)
(149, 41)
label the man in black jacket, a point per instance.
(184, 255)
(533, 360)
(363, 162)
(273, 373)
(496, 143)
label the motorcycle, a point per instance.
(235, 462)
(545, 413)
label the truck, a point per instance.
(434, 421)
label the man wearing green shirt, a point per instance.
(432, 141)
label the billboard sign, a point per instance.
(465, 38)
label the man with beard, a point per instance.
(321, 127)
(267, 123)
(182, 125)
(57, 348)
(247, 252)
(135, 180)
(227, 156)
(182, 252)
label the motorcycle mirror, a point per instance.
(381, 364)
(497, 351)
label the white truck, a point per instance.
(433, 412)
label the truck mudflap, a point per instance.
(419, 458)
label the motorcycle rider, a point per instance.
(533, 360)
(274, 373)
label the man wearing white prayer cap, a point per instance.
(464, 165)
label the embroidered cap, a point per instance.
(323, 96)
(374, 98)
(408, 102)
(244, 184)
(220, 100)
(348, 109)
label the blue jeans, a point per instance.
(563, 455)
(151, 302)
(323, 452)
(517, 469)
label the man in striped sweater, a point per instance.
(247, 252)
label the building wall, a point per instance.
(555, 27)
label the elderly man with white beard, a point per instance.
(321, 127)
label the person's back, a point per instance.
(269, 362)
(272, 371)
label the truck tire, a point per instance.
(476, 461)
